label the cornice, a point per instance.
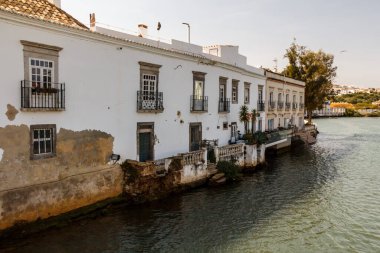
(103, 38)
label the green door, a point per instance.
(195, 136)
(145, 150)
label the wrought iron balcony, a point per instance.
(260, 106)
(224, 105)
(272, 105)
(42, 95)
(150, 101)
(198, 103)
(287, 106)
(280, 105)
(294, 106)
(302, 106)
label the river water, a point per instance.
(325, 198)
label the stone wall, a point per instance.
(143, 181)
(77, 176)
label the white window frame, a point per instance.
(42, 139)
(41, 83)
(149, 86)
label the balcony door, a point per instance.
(195, 136)
(43, 93)
(234, 133)
(222, 92)
(149, 89)
(198, 99)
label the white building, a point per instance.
(71, 97)
(285, 101)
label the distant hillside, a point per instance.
(357, 98)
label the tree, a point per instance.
(315, 69)
(244, 117)
(253, 120)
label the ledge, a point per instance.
(42, 109)
(150, 111)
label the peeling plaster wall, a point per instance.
(76, 177)
(44, 200)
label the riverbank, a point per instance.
(323, 198)
(140, 182)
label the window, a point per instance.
(42, 139)
(41, 73)
(246, 93)
(222, 88)
(225, 125)
(271, 97)
(40, 88)
(287, 98)
(148, 98)
(260, 93)
(235, 89)
(270, 124)
(279, 97)
(199, 102)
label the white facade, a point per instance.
(102, 77)
(285, 102)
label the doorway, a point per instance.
(145, 141)
(195, 136)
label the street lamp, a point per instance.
(188, 27)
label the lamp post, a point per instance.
(188, 28)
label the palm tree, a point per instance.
(253, 119)
(244, 117)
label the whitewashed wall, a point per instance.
(101, 85)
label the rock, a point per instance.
(217, 179)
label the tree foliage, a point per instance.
(316, 69)
(244, 117)
(357, 98)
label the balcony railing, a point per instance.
(199, 103)
(224, 105)
(230, 152)
(294, 106)
(260, 106)
(287, 106)
(302, 106)
(280, 105)
(150, 101)
(42, 95)
(272, 105)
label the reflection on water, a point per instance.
(320, 199)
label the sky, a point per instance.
(263, 29)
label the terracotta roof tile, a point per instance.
(41, 9)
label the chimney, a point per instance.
(92, 21)
(143, 30)
(56, 3)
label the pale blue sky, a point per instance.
(262, 28)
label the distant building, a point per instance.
(285, 101)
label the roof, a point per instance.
(41, 9)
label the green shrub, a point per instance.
(352, 113)
(230, 169)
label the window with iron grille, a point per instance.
(42, 139)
